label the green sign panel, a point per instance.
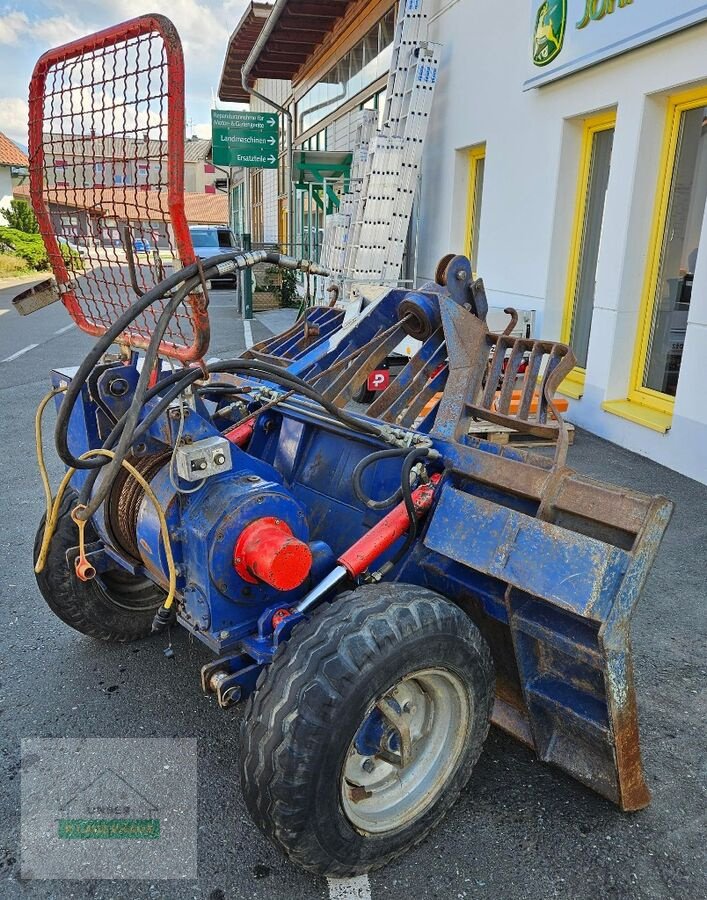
(244, 138)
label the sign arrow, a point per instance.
(271, 158)
(271, 141)
(271, 121)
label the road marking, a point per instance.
(358, 888)
(65, 328)
(248, 332)
(20, 352)
(3, 311)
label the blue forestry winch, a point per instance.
(381, 585)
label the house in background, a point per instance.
(201, 176)
(12, 159)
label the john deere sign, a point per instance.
(569, 35)
(549, 31)
(244, 138)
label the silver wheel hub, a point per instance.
(406, 751)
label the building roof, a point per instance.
(206, 209)
(239, 46)
(301, 27)
(10, 153)
(197, 150)
(99, 147)
(129, 203)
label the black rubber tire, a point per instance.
(118, 607)
(364, 395)
(311, 700)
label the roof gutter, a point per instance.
(258, 46)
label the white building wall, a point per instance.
(279, 91)
(5, 189)
(532, 156)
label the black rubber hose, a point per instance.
(110, 441)
(118, 327)
(361, 468)
(408, 463)
(287, 379)
(177, 383)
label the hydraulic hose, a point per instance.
(217, 265)
(130, 419)
(409, 461)
(361, 468)
(178, 382)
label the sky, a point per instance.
(29, 27)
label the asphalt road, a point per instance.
(520, 830)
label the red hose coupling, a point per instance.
(84, 570)
(268, 551)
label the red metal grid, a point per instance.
(106, 161)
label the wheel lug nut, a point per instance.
(368, 765)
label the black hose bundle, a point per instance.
(129, 428)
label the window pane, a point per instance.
(478, 175)
(361, 66)
(678, 254)
(602, 142)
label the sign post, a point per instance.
(242, 138)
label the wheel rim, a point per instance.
(406, 750)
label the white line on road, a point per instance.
(65, 328)
(3, 311)
(349, 888)
(19, 352)
(248, 332)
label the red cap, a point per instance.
(268, 551)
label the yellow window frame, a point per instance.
(573, 385)
(638, 393)
(476, 155)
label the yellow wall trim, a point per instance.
(677, 105)
(640, 414)
(591, 125)
(572, 389)
(476, 154)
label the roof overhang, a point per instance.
(240, 44)
(298, 31)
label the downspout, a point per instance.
(272, 20)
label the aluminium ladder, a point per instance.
(365, 241)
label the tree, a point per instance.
(21, 216)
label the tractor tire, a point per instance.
(364, 395)
(115, 606)
(320, 779)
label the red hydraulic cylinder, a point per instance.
(241, 434)
(367, 549)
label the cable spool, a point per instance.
(124, 501)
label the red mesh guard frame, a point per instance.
(106, 161)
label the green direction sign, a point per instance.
(244, 138)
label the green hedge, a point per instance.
(29, 246)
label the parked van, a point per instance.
(210, 240)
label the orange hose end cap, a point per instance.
(268, 551)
